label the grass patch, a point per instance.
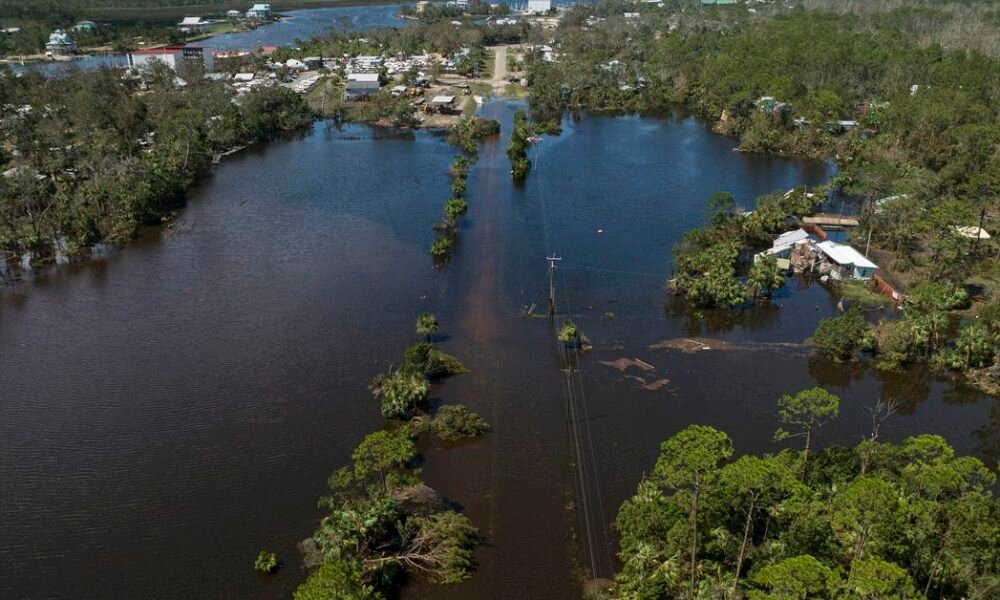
(858, 291)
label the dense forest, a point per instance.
(90, 157)
(904, 521)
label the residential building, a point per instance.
(85, 26)
(233, 14)
(259, 11)
(361, 89)
(846, 262)
(60, 44)
(178, 58)
(537, 7)
(193, 25)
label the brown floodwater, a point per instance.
(171, 409)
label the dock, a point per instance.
(828, 220)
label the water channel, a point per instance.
(171, 409)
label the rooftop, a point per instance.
(845, 255)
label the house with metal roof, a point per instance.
(193, 24)
(361, 89)
(846, 262)
(60, 44)
(259, 11)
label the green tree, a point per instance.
(797, 578)
(399, 392)
(876, 579)
(427, 325)
(864, 513)
(688, 464)
(806, 411)
(842, 336)
(764, 276)
(756, 484)
(266, 562)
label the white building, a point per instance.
(539, 6)
(174, 57)
(259, 11)
(852, 264)
(60, 44)
(194, 24)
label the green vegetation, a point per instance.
(98, 159)
(266, 562)
(400, 393)
(441, 247)
(568, 333)
(466, 134)
(841, 337)
(454, 422)
(765, 276)
(385, 525)
(806, 412)
(920, 138)
(875, 521)
(518, 148)
(708, 258)
(427, 325)
(922, 334)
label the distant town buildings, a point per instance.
(60, 44)
(259, 11)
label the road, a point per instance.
(499, 70)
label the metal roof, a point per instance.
(845, 255)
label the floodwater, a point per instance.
(172, 409)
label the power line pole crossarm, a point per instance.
(552, 283)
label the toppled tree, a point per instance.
(384, 525)
(454, 422)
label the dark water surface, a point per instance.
(169, 411)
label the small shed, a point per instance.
(443, 104)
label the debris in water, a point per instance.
(699, 344)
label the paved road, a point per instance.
(499, 70)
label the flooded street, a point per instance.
(172, 409)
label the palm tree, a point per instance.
(427, 324)
(764, 276)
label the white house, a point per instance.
(174, 57)
(852, 264)
(539, 6)
(60, 44)
(233, 14)
(259, 11)
(194, 24)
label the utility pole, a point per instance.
(552, 284)
(871, 223)
(979, 232)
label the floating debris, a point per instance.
(699, 344)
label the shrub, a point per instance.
(267, 562)
(454, 422)
(841, 337)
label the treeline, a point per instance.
(384, 524)
(928, 330)
(878, 520)
(466, 135)
(90, 157)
